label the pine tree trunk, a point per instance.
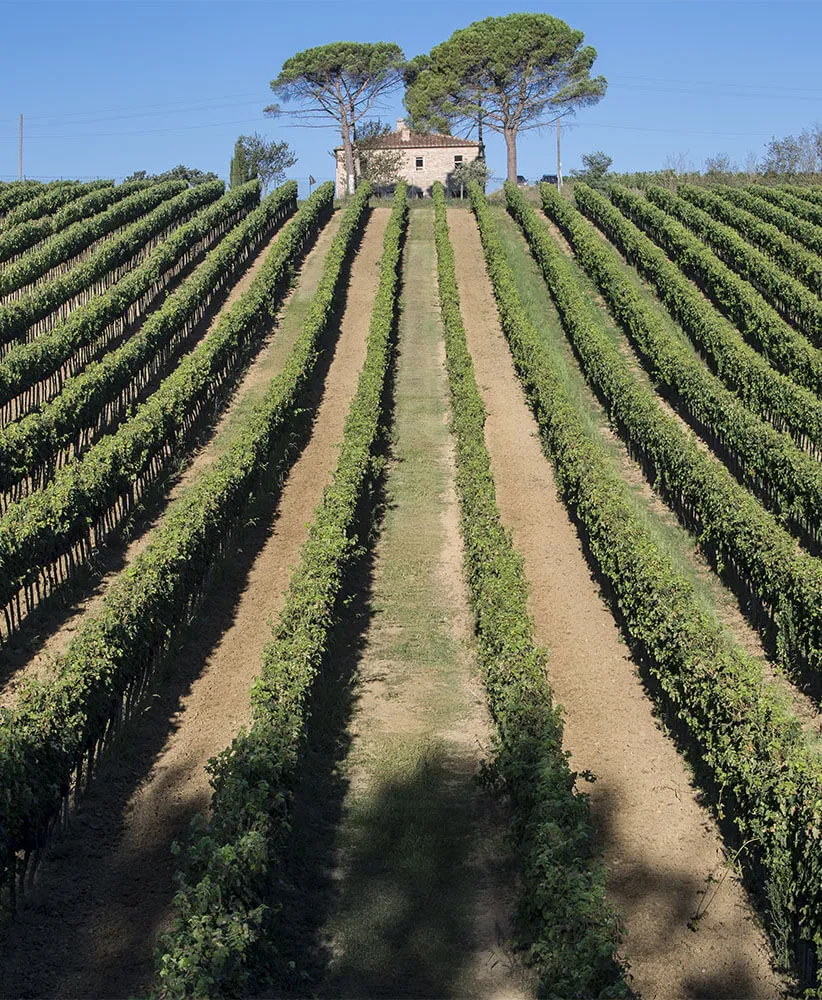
(511, 147)
(348, 154)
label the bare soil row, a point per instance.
(423, 880)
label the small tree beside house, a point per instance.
(381, 166)
(471, 170)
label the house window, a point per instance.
(457, 160)
(418, 163)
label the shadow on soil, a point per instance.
(54, 947)
(408, 843)
(396, 876)
(708, 793)
(685, 896)
(400, 927)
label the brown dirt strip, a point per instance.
(56, 625)
(662, 849)
(91, 929)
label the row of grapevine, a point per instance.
(45, 535)
(762, 777)
(770, 394)
(799, 207)
(14, 242)
(812, 194)
(16, 192)
(249, 817)
(765, 459)
(796, 303)
(102, 674)
(803, 232)
(569, 930)
(756, 553)
(796, 259)
(785, 349)
(68, 246)
(31, 449)
(47, 304)
(49, 200)
(34, 372)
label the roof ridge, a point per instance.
(395, 140)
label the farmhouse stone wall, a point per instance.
(438, 165)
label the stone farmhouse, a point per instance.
(426, 157)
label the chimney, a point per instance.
(403, 129)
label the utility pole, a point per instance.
(20, 157)
(559, 161)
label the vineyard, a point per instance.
(410, 598)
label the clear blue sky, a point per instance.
(111, 87)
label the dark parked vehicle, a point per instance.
(549, 179)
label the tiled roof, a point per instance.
(415, 140)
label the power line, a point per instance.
(715, 93)
(709, 83)
(144, 107)
(154, 114)
(154, 131)
(673, 131)
(173, 107)
(258, 121)
(280, 126)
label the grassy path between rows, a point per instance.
(424, 884)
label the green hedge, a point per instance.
(16, 241)
(59, 252)
(228, 887)
(740, 536)
(803, 232)
(16, 192)
(783, 199)
(50, 199)
(761, 775)
(768, 461)
(811, 194)
(29, 448)
(772, 395)
(54, 524)
(569, 929)
(46, 737)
